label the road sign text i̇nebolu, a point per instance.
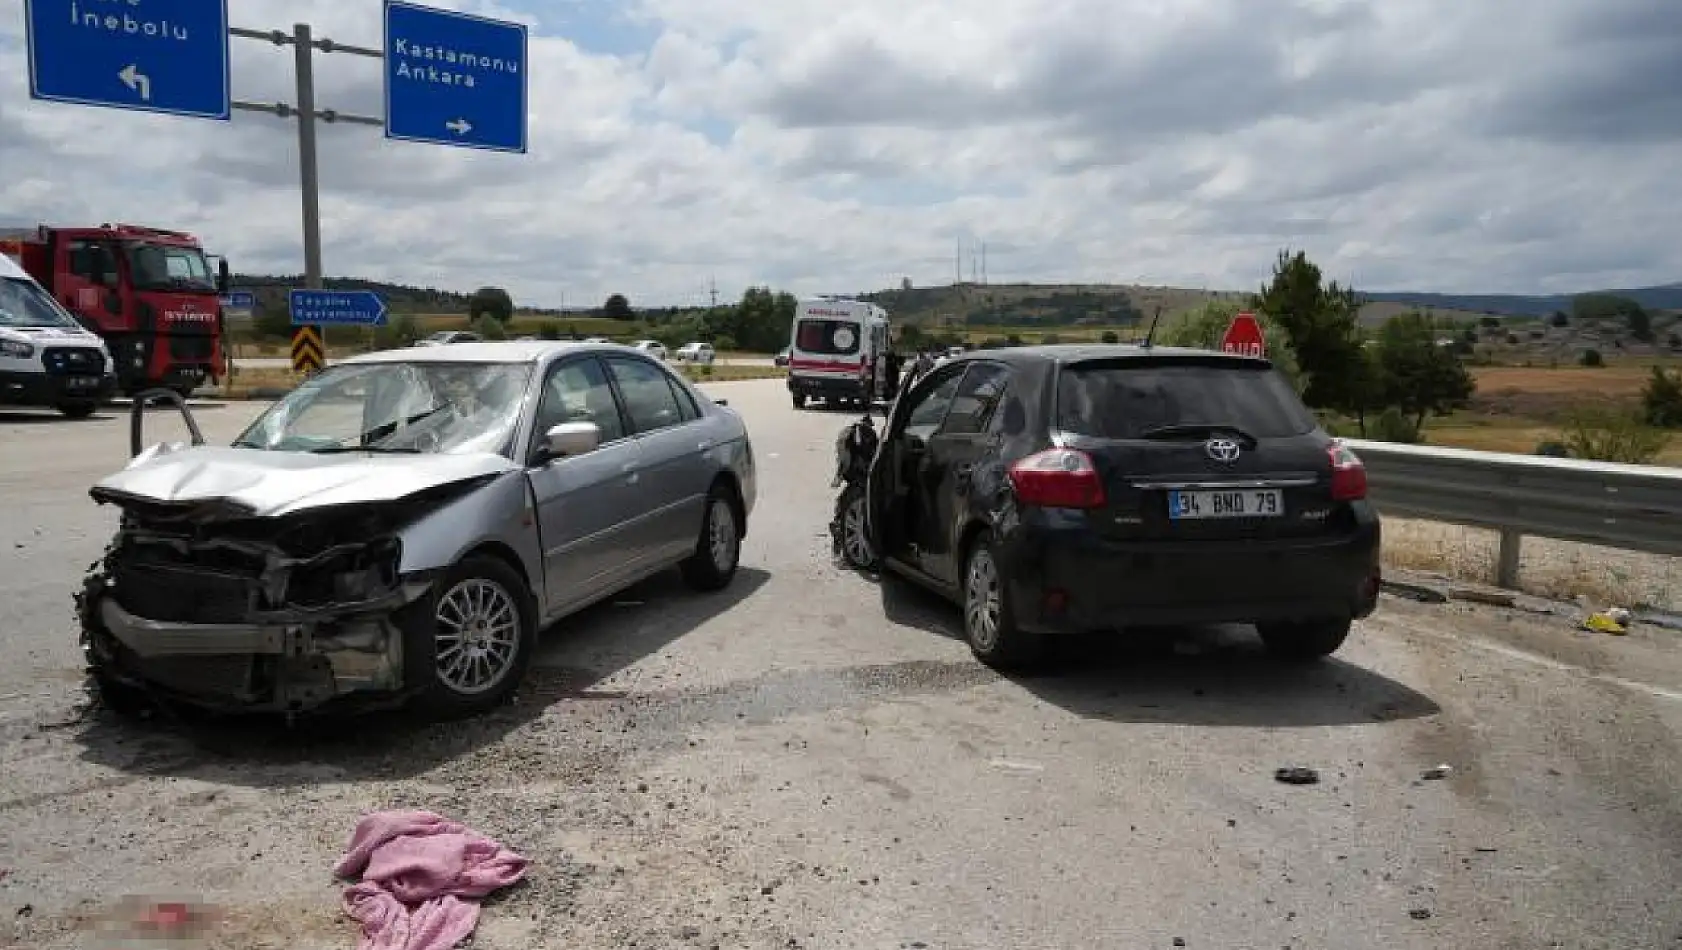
(454, 78)
(168, 56)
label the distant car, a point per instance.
(1072, 489)
(955, 351)
(449, 336)
(701, 353)
(403, 524)
(653, 348)
(781, 359)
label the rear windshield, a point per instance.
(1111, 401)
(828, 337)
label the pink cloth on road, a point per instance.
(422, 877)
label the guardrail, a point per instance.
(1634, 507)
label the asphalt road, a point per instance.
(813, 760)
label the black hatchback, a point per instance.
(1073, 489)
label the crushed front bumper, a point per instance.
(279, 661)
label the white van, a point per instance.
(46, 357)
(836, 353)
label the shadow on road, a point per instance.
(1206, 676)
(263, 751)
(41, 417)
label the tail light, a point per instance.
(1058, 478)
(1349, 475)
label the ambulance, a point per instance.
(837, 352)
(46, 357)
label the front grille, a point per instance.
(73, 361)
(195, 348)
(183, 595)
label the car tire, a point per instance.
(478, 605)
(989, 616)
(77, 410)
(852, 539)
(718, 549)
(799, 401)
(1304, 640)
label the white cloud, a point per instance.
(1424, 144)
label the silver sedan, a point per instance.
(403, 524)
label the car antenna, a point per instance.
(1151, 333)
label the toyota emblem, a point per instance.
(1222, 450)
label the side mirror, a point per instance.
(224, 277)
(571, 438)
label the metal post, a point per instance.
(303, 49)
(303, 66)
(1507, 559)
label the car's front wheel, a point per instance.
(851, 534)
(1304, 640)
(471, 647)
(718, 551)
(989, 622)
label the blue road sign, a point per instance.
(454, 78)
(336, 308)
(168, 56)
(239, 300)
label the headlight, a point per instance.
(17, 349)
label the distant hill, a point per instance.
(1665, 297)
(400, 298)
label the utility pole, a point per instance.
(712, 289)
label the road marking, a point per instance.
(1537, 659)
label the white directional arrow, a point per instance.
(133, 78)
(459, 126)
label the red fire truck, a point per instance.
(149, 293)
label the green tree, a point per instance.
(1590, 307)
(490, 328)
(1560, 319)
(492, 301)
(1110, 337)
(1610, 435)
(1416, 375)
(1661, 399)
(1592, 358)
(1204, 326)
(1320, 320)
(617, 308)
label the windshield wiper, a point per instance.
(376, 449)
(387, 428)
(1176, 429)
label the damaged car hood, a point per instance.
(268, 484)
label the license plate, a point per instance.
(1234, 503)
(82, 382)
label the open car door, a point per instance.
(881, 485)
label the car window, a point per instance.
(827, 337)
(685, 402)
(1117, 400)
(577, 391)
(975, 399)
(930, 407)
(647, 391)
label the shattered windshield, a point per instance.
(168, 267)
(409, 407)
(23, 304)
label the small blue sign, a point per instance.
(168, 56)
(454, 78)
(239, 300)
(361, 308)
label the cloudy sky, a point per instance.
(1453, 145)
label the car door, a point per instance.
(948, 465)
(672, 490)
(897, 474)
(587, 505)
